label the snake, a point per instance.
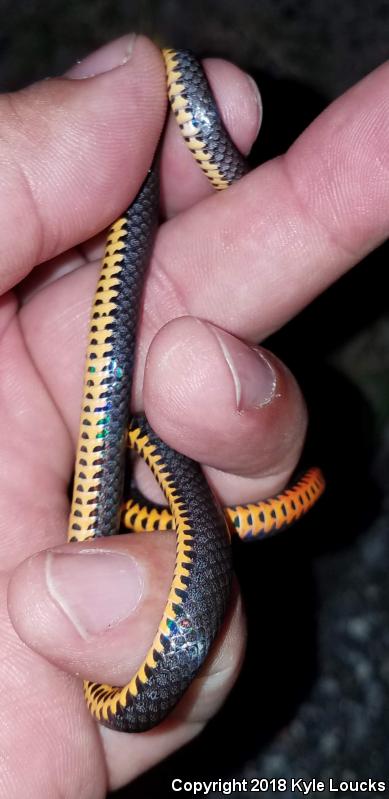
(199, 594)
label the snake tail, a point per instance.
(252, 521)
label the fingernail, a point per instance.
(95, 589)
(258, 101)
(253, 376)
(111, 55)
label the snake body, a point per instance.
(200, 588)
(99, 468)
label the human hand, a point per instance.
(233, 410)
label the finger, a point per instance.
(205, 392)
(45, 742)
(66, 145)
(48, 272)
(182, 183)
(231, 406)
(94, 611)
(37, 452)
(251, 257)
(240, 106)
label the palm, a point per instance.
(41, 364)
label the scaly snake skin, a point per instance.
(200, 589)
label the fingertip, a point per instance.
(93, 607)
(221, 401)
(111, 55)
(239, 101)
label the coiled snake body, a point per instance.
(200, 589)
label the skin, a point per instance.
(67, 170)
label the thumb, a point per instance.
(94, 609)
(65, 146)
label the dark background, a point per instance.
(312, 698)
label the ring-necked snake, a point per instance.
(200, 589)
